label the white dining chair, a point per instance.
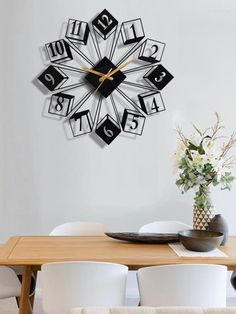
(164, 226)
(154, 310)
(10, 285)
(183, 285)
(79, 228)
(67, 285)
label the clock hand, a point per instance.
(104, 77)
(97, 73)
(117, 69)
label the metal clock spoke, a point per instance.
(70, 68)
(139, 68)
(81, 102)
(73, 86)
(129, 100)
(129, 53)
(79, 52)
(115, 110)
(138, 85)
(97, 113)
(114, 43)
(95, 43)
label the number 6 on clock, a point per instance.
(107, 129)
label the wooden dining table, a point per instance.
(32, 252)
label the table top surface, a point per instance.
(38, 250)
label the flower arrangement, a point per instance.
(202, 161)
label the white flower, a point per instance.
(196, 139)
(198, 160)
(180, 153)
(208, 144)
(181, 149)
(200, 163)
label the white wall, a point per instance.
(46, 179)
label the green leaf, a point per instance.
(191, 146)
(201, 149)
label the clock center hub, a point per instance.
(109, 82)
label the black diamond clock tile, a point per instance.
(159, 77)
(108, 86)
(108, 129)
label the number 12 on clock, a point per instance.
(105, 24)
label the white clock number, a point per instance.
(108, 133)
(105, 21)
(48, 77)
(161, 76)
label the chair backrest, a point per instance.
(10, 285)
(71, 284)
(79, 228)
(183, 285)
(168, 226)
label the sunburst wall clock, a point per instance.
(105, 78)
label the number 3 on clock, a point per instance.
(159, 77)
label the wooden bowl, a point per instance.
(200, 240)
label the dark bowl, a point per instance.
(200, 240)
